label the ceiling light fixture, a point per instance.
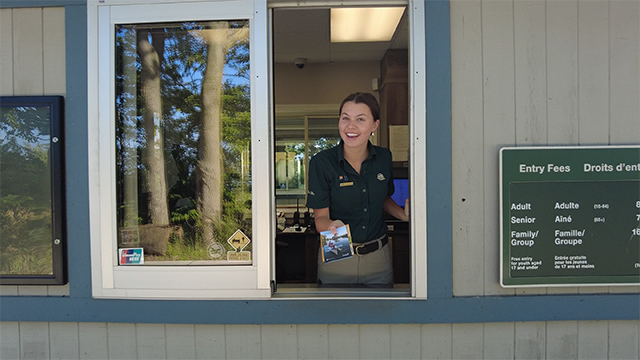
(364, 24)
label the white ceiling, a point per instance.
(306, 34)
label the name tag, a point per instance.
(346, 184)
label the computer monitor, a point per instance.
(402, 191)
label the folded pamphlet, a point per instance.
(338, 246)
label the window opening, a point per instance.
(311, 77)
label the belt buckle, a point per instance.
(357, 250)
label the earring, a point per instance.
(372, 133)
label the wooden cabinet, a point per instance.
(400, 241)
(394, 91)
(297, 257)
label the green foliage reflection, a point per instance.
(25, 192)
(183, 133)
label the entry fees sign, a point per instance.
(570, 216)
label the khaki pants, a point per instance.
(374, 268)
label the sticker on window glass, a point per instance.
(133, 256)
(239, 241)
(216, 251)
(129, 237)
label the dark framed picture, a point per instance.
(32, 223)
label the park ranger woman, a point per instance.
(352, 184)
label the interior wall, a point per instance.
(327, 83)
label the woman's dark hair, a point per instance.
(364, 98)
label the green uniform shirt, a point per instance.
(356, 199)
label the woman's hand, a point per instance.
(335, 224)
(406, 209)
(324, 223)
(391, 208)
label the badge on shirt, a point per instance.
(380, 177)
(344, 181)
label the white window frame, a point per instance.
(193, 282)
(417, 131)
(418, 147)
(222, 282)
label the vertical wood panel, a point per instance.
(9, 340)
(63, 338)
(562, 72)
(32, 290)
(499, 126)
(58, 290)
(562, 340)
(210, 342)
(625, 81)
(181, 341)
(593, 71)
(54, 74)
(8, 290)
(623, 339)
(279, 342)
(34, 340)
(499, 340)
(467, 341)
(593, 339)
(405, 341)
(343, 342)
(27, 56)
(625, 71)
(151, 341)
(530, 81)
(6, 52)
(593, 80)
(467, 154)
(375, 342)
(436, 341)
(242, 341)
(92, 341)
(313, 341)
(121, 341)
(530, 340)
(530, 72)
(624, 289)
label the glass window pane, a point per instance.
(183, 135)
(323, 134)
(26, 230)
(290, 150)
(297, 140)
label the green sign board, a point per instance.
(570, 216)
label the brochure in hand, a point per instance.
(336, 247)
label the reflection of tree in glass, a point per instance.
(322, 143)
(219, 38)
(199, 131)
(25, 193)
(296, 151)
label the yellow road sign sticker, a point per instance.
(238, 240)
